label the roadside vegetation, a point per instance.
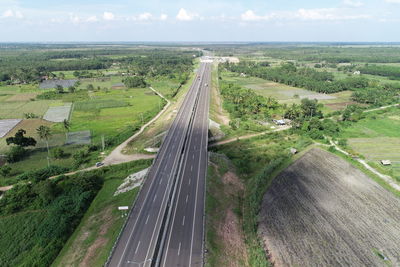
(91, 242)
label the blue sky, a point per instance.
(208, 20)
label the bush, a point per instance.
(58, 153)
(16, 154)
(43, 173)
(5, 171)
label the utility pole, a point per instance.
(102, 142)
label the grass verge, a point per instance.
(92, 241)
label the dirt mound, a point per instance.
(322, 211)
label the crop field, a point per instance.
(99, 104)
(16, 110)
(24, 97)
(322, 211)
(111, 121)
(58, 113)
(78, 138)
(49, 84)
(377, 137)
(288, 94)
(105, 82)
(7, 125)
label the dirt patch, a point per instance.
(340, 105)
(230, 178)
(322, 211)
(22, 97)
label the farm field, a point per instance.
(377, 137)
(110, 120)
(16, 110)
(323, 211)
(288, 94)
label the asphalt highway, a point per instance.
(184, 238)
(141, 241)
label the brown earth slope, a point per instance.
(322, 211)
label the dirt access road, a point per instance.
(322, 211)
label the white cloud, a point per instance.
(327, 14)
(108, 16)
(323, 14)
(92, 19)
(249, 15)
(353, 3)
(74, 19)
(12, 14)
(163, 17)
(144, 16)
(184, 15)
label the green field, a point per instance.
(111, 121)
(288, 94)
(377, 138)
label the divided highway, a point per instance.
(165, 226)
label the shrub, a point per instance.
(16, 153)
(58, 153)
(5, 171)
(43, 173)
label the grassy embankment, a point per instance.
(153, 135)
(93, 239)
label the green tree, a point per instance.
(59, 89)
(71, 89)
(134, 82)
(66, 126)
(20, 140)
(44, 133)
(90, 87)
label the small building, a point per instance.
(242, 75)
(386, 162)
(357, 72)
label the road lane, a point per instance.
(137, 242)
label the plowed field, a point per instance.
(322, 211)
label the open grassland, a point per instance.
(167, 87)
(111, 121)
(92, 241)
(323, 211)
(288, 94)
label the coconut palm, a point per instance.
(44, 133)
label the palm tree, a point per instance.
(44, 132)
(66, 126)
